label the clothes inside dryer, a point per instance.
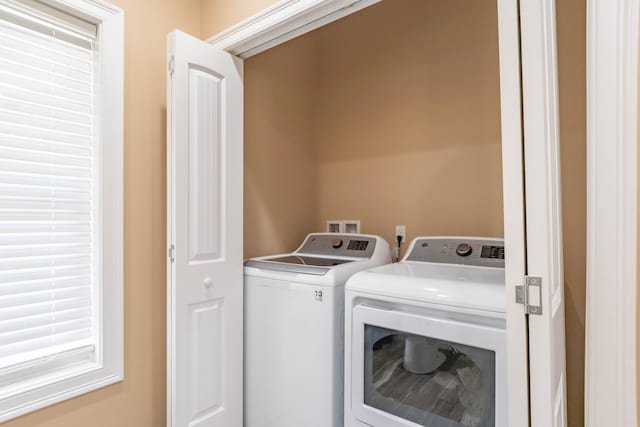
(458, 392)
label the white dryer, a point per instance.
(294, 329)
(426, 338)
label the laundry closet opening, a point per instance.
(389, 116)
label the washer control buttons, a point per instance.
(336, 243)
(464, 249)
(357, 245)
(492, 252)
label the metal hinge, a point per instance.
(531, 298)
(171, 66)
(172, 253)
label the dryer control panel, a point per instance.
(458, 250)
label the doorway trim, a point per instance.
(282, 22)
(612, 214)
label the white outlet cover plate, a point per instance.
(351, 226)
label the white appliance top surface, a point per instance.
(319, 261)
(463, 286)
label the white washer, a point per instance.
(294, 329)
(426, 338)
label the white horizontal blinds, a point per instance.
(47, 262)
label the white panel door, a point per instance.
(204, 168)
(514, 223)
(543, 213)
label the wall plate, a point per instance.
(343, 226)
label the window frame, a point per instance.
(108, 368)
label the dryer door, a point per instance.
(413, 370)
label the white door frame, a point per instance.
(612, 117)
(281, 22)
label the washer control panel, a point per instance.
(463, 250)
(333, 244)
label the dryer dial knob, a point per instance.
(464, 249)
(336, 243)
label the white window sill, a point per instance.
(33, 394)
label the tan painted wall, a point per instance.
(218, 15)
(280, 169)
(139, 401)
(404, 133)
(571, 18)
(316, 135)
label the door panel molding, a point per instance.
(204, 235)
(513, 202)
(612, 214)
(547, 361)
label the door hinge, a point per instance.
(171, 66)
(530, 295)
(172, 253)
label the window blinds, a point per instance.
(48, 256)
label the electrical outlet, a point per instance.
(401, 230)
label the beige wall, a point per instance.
(280, 169)
(422, 149)
(404, 133)
(139, 401)
(218, 15)
(571, 18)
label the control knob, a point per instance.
(336, 243)
(464, 249)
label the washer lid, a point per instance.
(297, 264)
(478, 288)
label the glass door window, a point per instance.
(433, 368)
(430, 382)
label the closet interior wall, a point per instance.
(380, 117)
